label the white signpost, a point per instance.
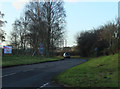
(7, 50)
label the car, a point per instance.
(66, 55)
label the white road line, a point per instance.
(43, 85)
(28, 70)
(8, 74)
(15, 73)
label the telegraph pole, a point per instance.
(0, 64)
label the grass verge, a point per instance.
(97, 72)
(8, 60)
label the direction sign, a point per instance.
(41, 49)
(7, 49)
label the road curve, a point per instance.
(35, 76)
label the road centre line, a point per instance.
(15, 73)
(8, 74)
(43, 85)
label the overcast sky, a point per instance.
(81, 15)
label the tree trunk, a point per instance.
(49, 26)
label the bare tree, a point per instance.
(47, 21)
(54, 15)
(44, 23)
(37, 27)
(2, 33)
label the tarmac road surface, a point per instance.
(36, 76)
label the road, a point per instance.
(36, 76)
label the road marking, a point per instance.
(43, 85)
(15, 73)
(8, 74)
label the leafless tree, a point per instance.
(2, 33)
(54, 15)
(46, 23)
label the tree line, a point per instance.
(103, 40)
(43, 23)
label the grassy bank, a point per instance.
(97, 72)
(20, 60)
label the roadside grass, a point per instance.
(13, 60)
(20, 60)
(97, 72)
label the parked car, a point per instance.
(66, 55)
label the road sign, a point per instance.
(116, 34)
(7, 49)
(41, 49)
(96, 49)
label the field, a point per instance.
(96, 72)
(20, 60)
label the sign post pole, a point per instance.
(0, 67)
